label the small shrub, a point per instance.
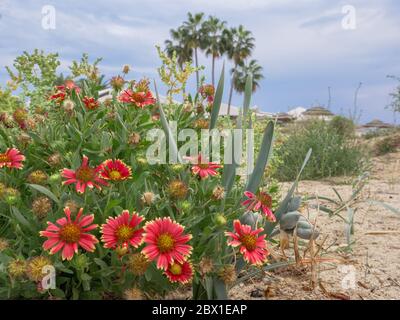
(387, 145)
(342, 126)
(334, 153)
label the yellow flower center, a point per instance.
(70, 233)
(249, 241)
(203, 165)
(138, 97)
(165, 242)
(265, 199)
(4, 158)
(124, 233)
(175, 269)
(85, 174)
(115, 175)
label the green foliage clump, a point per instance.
(387, 145)
(343, 126)
(334, 153)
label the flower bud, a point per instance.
(37, 177)
(177, 189)
(137, 264)
(134, 138)
(126, 68)
(227, 274)
(16, 268)
(220, 220)
(41, 207)
(133, 294)
(148, 198)
(55, 178)
(218, 193)
(34, 268)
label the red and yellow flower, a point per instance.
(252, 246)
(12, 158)
(261, 201)
(122, 230)
(203, 169)
(62, 91)
(139, 99)
(166, 242)
(180, 272)
(84, 176)
(115, 170)
(90, 103)
(68, 234)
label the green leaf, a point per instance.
(217, 100)
(171, 139)
(46, 192)
(21, 219)
(100, 263)
(262, 160)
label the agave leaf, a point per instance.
(269, 226)
(294, 204)
(247, 95)
(228, 176)
(164, 122)
(349, 225)
(262, 160)
(307, 233)
(385, 205)
(217, 100)
(220, 289)
(289, 220)
(250, 151)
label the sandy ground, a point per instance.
(368, 269)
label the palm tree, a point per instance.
(243, 71)
(193, 30)
(213, 38)
(178, 45)
(240, 44)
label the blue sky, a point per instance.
(301, 44)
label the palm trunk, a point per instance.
(231, 90)
(196, 59)
(213, 68)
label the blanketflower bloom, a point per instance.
(203, 169)
(261, 201)
(68, 234)
(166, 242)
(62, 91)
(180, 272)
(58, 97)
(252, 246)
(90, 103)
(69, 85)
(122, 230)
(207, 91)
(12, 158)
(139, 99)
(115, 170)
(84, 176)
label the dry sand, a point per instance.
(370, 270)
